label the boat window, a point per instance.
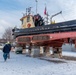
(48, 28)
(37, 29)
(45, 28)
(28, 18)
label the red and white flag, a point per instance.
(45, 11)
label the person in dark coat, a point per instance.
(6, 51)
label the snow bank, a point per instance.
(22, 65)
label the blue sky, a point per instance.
(11, 11)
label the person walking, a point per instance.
(6, 51)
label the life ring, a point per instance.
(29, 25)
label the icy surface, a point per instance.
(21, 65)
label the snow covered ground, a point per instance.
(22, 65)
(65, 53)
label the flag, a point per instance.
(45, 11)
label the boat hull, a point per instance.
(69, 26)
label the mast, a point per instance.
(36, 5)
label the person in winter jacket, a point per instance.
(6, 51)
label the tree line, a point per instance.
(7, 35)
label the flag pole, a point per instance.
(45, 10)
(36, 5)
(46, 15)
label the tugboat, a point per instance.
(35, 32)
(33, 25)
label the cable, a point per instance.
(63, 17)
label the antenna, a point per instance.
(23, 14)
(36, 5)
(29, 10)
(26, 11)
